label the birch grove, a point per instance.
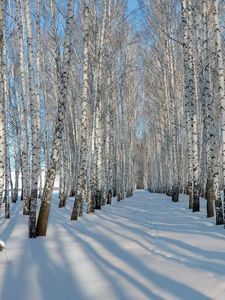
(199, 85)
(97, 99)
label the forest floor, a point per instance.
(141, 248)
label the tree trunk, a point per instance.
(59, 127)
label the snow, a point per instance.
(2, 244)
(141, 248)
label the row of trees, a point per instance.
(69, 94)
(106, 107)
(184, 92)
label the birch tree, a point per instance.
(59, 127)
(2, 127)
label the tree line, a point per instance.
(68, 93)
(185, 102)
(110, 100)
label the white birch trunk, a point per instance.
(59, 127)
(82, 173)
(2, 112)
(24, 119)
(218, 203)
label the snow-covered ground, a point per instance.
(141, 248)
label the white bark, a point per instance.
(219, 55)
(82, 172)
(59, 127)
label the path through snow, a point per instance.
(141, 248)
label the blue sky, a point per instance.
(136, 16)
(132, 4)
